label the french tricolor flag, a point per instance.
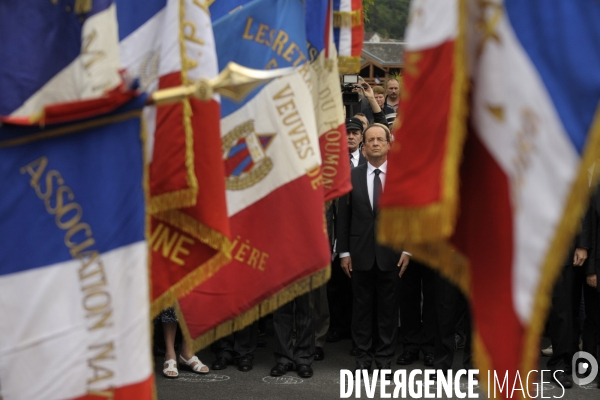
(498, 223)
(73, 262)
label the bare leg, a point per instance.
(187, 354)
(169, 330)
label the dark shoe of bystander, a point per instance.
(280, 369)
(304, 371)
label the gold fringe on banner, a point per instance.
(195, 228)
(198, 276)
(436, 222)
(265, 307)
(575, 208)
(448, 260)
(186, 197)
(348, 64)
(347, 19)
(173, 200)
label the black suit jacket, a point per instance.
(331, 213)
(593, 223)
(356, 228)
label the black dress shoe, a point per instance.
(428, 359)
(304, 371)
(562, 379)
(245, 364)
(280, 369)
(334, 336)
(220, 363)
(319, 354)
(407, 358)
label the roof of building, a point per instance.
(386, 54)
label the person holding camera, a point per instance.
(366, 91)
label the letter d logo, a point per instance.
(580, 368)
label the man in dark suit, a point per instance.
(374, 270)
(339, 293)
(560, 319)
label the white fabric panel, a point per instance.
(204, 54)
(45, 336)
(287, 163)
(345, 45)
(432, 22)
(84, 78)
(140, 51)
(533, 149)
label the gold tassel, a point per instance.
(83, 6)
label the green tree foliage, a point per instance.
(386, 17)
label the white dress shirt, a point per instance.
(355, 157)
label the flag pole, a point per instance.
(234, 82)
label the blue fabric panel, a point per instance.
(103, 168)
(238, 39)
(562, 39)
(132, 14)
(222, 8)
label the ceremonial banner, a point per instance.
(349, 32)
(170, 43)
(325, 86)
(523, 181)
(77, 59)
(327, 99)
(73, 264)
(274, 186)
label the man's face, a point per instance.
(354, 139)
(376, 144)
(364, 121)
(393, 89)
(380, 98)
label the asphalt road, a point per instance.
(325, 384)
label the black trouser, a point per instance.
(375, 298)
(238, 344)
(560, 322)
(591, 327)
(300, 310)
(417, 325)
(450, 305)
(339, 295)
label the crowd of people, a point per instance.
(378, 297)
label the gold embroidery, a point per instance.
(347, 19)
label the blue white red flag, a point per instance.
(77, 60)
(73, 264)
(349, 33)
(272, 159)
(535, 121)
(165, 44)
(325, 90)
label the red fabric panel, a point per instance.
(289, 226)
(167, 170)
(137, 391)
(358, 32)
(484, 233)
(336, 163)
(417, 156)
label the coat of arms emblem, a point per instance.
(244, 152)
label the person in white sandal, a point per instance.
(186, 358)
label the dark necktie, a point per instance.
(377, 189)
(351, 164)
